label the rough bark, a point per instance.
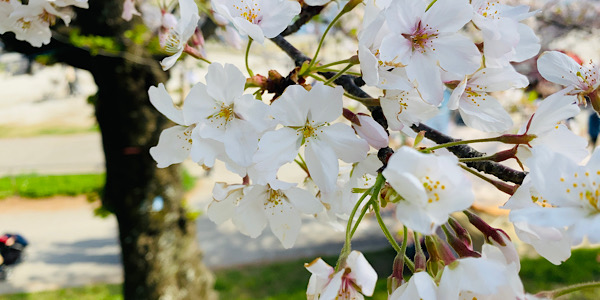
(160, 255)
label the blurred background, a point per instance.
(74, 119)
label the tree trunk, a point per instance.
(160, 254)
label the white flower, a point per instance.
(479, 109)
(280, 207)
(471, 277)
(258, 18)
(174, 143)
(426, 41)
(569, 194)
(405, 108)
(226, 198)
(178, 36)
(419, 286)
(505, 39)
(431, 186)
(559, 68)
(545, 124)
(305, 116)
(382, 74)
(223, 113)
(550, 242)
(355, 278)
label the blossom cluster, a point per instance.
(31, 22)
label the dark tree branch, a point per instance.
(307, 13)
(349, 83)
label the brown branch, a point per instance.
(307, 13)
(351, 84)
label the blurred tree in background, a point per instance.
(160, 255)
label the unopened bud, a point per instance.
(351, 5)
(257, 81)
(516, 138)
(420, 258)
(371, 131)
(461, 233)
(461, 248)
(396, 279)
(490, 233)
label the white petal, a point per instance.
(484, 113)
(429, 80)
(448, 15)
(364, 275)
(249, 216)
(497, 79)
(558, 67)
(303, 200)
(291, 109)
(284, 220)
(241, 142)
(322, 164)
(326, 103)
(344, 142)
(173, 147)
(529, 44)
(278, 16)
(277, 148)
(198, 105)
(170, 61)
(224, 83)
(457, 54)
(162, 101)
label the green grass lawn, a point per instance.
(42, 186)
(288, 280)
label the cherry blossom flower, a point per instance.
(431, 188)
(382, 74)
(226, 198)
(225, 114)
(552, 243)
(505, 39)
(479, 109)
(426, 41)
(177, 37)
(470, 277)
(580, 80)
(569, 192)
(545, 125)
(355, 278)
(405, 108)
(281, 207)
(32, 22)
(305, 116)
(258, 18)
(174, 143)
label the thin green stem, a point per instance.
(360, 217)
(463, 142)
(340, 73)
(364, 101)
(346, 248)
(325, 67)
(205, 60)
(384, 228)
(569, 289)
(246, 58)
(314, 59)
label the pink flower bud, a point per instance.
(371, 131)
